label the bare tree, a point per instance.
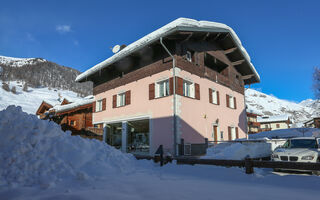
(25, 87)
(5, 86)
(14, 90)
(316, 82)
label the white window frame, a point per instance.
(99, 105)
(189, 56)
(121, 99)
(233, 133)
(188, 89)
(165, 90)
(231, 101)
(214, 96)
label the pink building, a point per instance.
(176, 87)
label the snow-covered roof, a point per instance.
(257, 112)
(66, 107)
(180, 24)
(278, 118)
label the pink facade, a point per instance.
(195, 118)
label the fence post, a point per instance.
(182, 147)
(206, 142)
(248, 164)
(160, 153)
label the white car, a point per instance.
(303, 149)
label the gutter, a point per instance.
(175, 146)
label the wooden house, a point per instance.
(253, 124)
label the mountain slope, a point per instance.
(31, 100)
(269, 105)
(37, 72)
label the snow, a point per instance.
(270, 105)
(37, 152)
(286, 133)
(31, 100)
(39, 161)
(239, 151)
(181, 24)
(19, 62)
(62, 108)
(278, 118)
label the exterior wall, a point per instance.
(158, 110)
(273, 125)
(197, 117)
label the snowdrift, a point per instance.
(37, 152)
(238, 151)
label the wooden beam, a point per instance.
(189, 36)
(230, 50)
(206, 36)
(216, 37)
(239, 62)
(247, 76)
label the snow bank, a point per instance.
(238, 151)
(37, 152)
(286, 133)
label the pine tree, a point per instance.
(25, 87)
(13, 90)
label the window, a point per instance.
(266, 126)
(221, 135)
(278, 125)
(189, 56)
(121, 99)
(99, 105)
(163, 88)
(72, 123)
(188, 89)
(214, 97)
(231, 101)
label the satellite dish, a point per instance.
(116, 49)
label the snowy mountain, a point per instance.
(31, 100)
(37, 72)
(20, 62)
(270, 105)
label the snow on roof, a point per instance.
(277, 118)
(180, 24)
(257, 112)
(62, 108)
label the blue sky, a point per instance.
(282, 37)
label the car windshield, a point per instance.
(308, 143)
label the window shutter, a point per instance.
(104, 101)
(94, 106)
(228, 101)
(218, 98)
(229, 133)
(128, 97)
(179, 86)
(114, 101)
(237, 133)
(197, 91)
(171, 86)
(210, 95)
(235, 102)
(151, 91)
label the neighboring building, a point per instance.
(76, 117)
(253, 124)
(134, 93)
(270, 123)
(313, 123)
(43, 109)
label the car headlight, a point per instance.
(307, 157)
(274, 156)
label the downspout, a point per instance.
(175, 146)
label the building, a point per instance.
(178, 86)
(270, 123)
(43, 109)
(74, 116)
(313, 123)
(253, 124)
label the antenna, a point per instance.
(116, 49)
